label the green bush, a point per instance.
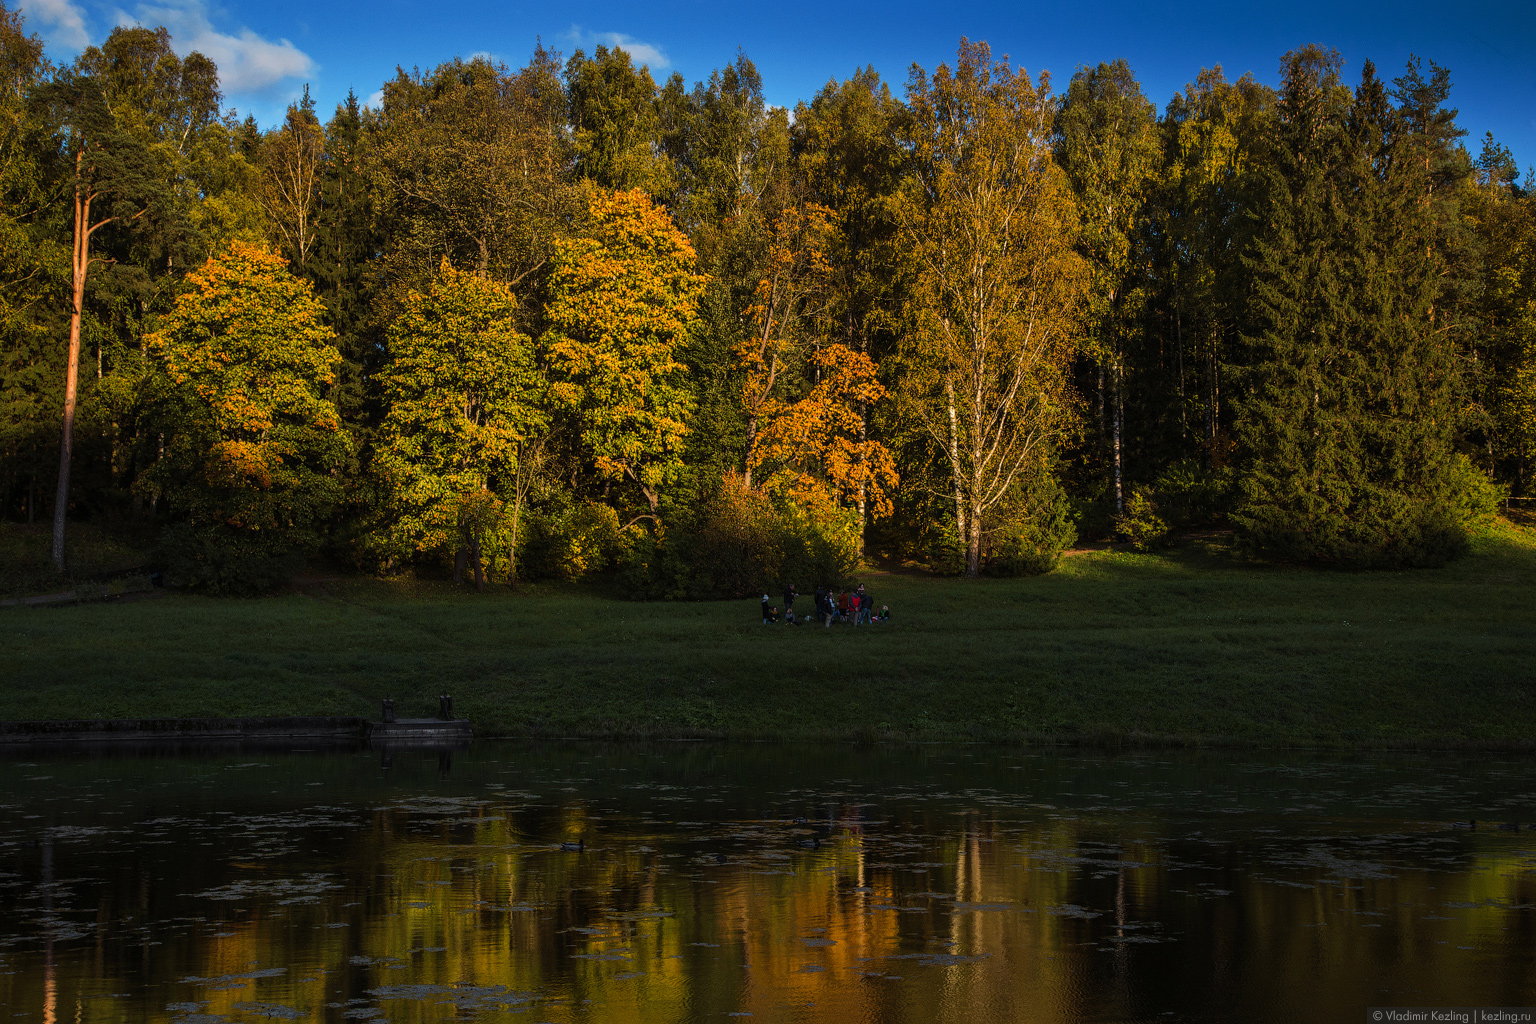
(1033, 545)
(569, 540)
(738, 543)
(225, 561)
(1382, 528)
(1474, 498)
(1139, 523)
(1188, 495)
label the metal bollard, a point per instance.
(445, 708)
(389, 710)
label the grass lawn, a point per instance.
(1194, 644)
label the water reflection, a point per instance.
(788, 883)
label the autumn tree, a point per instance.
(987, 226)
(623, 299)
(847, 160)
(464, 400)
(783, 314)
(252, 445)
(817, 451)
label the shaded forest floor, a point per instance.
(1192, 645)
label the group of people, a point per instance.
(856, 607)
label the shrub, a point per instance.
(1188, 495)
(1139, 523)
(1386, 528)
(739, 542)
(1033, 545)
(570, 540)
(1474, 498)
(225, 561)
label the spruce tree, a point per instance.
(1349, 410)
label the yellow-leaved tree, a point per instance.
(623, 300)
(465, 402)
(987, 224)
(252, 445)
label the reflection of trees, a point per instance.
(647, 926)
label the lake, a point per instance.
(575, 882)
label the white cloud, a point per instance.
(61, 22)
(643, 53)
(248, 63)
(375, 101)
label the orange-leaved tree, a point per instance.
(623, 300)
(814, 449)
(783, 313)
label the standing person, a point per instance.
(765, 609)
(866, 605)
(828, 607)
(790, 593)
(843, 606)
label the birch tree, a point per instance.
(987, 225)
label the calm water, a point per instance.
(785, 883)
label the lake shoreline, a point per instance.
(352, 732)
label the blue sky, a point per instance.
(268, 50)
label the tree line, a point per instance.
(562, 319)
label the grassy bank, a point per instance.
(1191, 645)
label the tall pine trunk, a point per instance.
(81, 261)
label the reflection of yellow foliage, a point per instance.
(477, 901)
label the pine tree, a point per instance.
(1349, 414)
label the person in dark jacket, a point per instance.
(790, 593)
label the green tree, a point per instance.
(616, 122)
(1503, 377)
(30, 268)
(1350, 408)
(111, 173)
(464, 400)
(470, 162)
(1107, 142)
(293, 158)
(252, 445)
(1213, 134)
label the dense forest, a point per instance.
(562, 319)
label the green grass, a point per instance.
(1194, 645)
